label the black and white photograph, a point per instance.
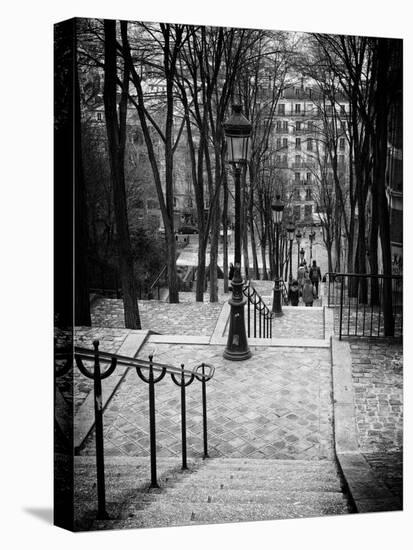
(204, 220)
(232, 349)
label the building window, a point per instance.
(343, 109)
(309, 144)
(297, 176)
(278, 125)
(278, 143)
(297, 213)
(285, 126)
(285, 160)
(342, 144)
(297, 195)
(311, 127)
(298, 143)
(281, 109)
(298, 126)
(297, 108)
(308, 210)
(285, 143)
(308, 177)
(308, 195)
(297, 159)
(99, 116)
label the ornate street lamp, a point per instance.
(291, 231)
(277, 213)
(311, 236)
(237, 132)
(298, 236)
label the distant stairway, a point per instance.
(216, 490)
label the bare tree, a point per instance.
(116, 132)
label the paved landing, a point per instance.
(275, 405)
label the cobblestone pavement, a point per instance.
(194, 318)
(285, 413)
(377, 369)
(388, 466)
(378, 384)
(74, 386)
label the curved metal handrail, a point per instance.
(125, 361)
(265, 314)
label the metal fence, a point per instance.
(259, 320)
(368, 305)
(149, 372)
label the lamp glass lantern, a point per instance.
(298, 236)
(290, 231)
(277, 210)
(237, 132)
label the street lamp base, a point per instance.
(276, 301)
(237, 344)
(237, 355)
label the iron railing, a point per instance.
(284, 291)
(155, 287)
(261, 317)
(362, 300)
(149, 372)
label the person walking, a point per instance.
(315, 276)
(300, 275)
(308, 292)
(294, 293)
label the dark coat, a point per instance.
(294, 294)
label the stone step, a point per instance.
(211, 491)
(172, 513)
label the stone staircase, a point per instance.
(216, 490)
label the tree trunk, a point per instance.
(116, 132)
(381, 101)
(82, 302)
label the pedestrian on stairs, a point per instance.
(308, 292)
(315, 276)
(300, 274)
(294, 293)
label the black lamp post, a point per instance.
(291, 231)
(311, 236)
(298, 236)
(277, 213)
(237, 132)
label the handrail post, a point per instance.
(341, 305)
(204, 412)
(100, 461)
(249, 312)
(183, 419)
(152, 428)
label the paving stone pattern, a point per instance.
(377, 369)
(275, 405)
(194, 318)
